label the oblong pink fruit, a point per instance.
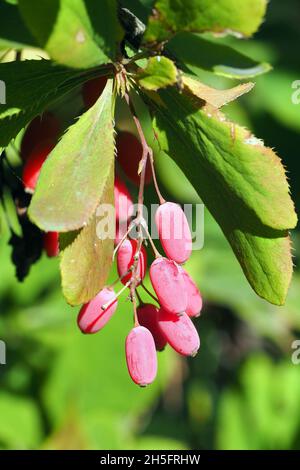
(92, 317)
(125, 260)
(148, 317)
(169, 285)
(180, 332)
(174, 232)
(141, 356)
(123, 201)
(195, 302)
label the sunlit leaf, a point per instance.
(242, 183)
(79, 33)
(219, 16)
(212, 96)
(197, 52)
(75, 175)
(160, 72)
(86, 262)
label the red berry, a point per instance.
(123, 202)
(34, 163)
(169, 285)
(125, 260)
(174, 232)
(141, 356)
(92, 90)
(51, 244)
(194, 305)
(92, 317)
(148, 317)
(45, 127)
(129, 154)
(180, 332)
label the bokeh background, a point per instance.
(63, 390)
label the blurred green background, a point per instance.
(63, 390)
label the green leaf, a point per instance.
(31, 87)
(219, 16)
(13, 33)
(241, 182)
(198, 52)
(216, 98)
(233, 291)
(85, 263)
(74, 176)
(160, 72)
(78, 33)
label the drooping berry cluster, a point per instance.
(177, 298)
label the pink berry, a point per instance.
(148, 317)
(169, 285)
(92, 317)
(51, 244)
(123, 202)
(141, 356)
(125, 260)
(180, 332)
(194, 305)
(174, 232)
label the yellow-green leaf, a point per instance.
(219, 16)
(159, 72)
(74, 176)
(241, 182)
(86, 262)
(213, 96)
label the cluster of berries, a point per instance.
(177, 297)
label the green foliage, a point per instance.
(64, 390)
(159, 72)
(13, 33)
(172, 16)
(74, 178)
(212, 96)
(269, 393)
(198, 52)
(222, 161)
(241, 181)
(74, 32)
(31, 87)
(86, 262)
